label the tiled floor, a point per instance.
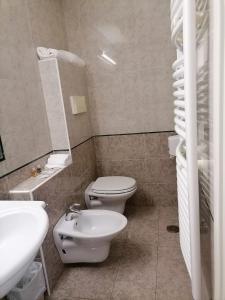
(145, 263)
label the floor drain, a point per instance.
(173, 228)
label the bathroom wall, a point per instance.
(144, 157)
(9, 181)
(47, 24)
(74, 83)
(61, 80)
(25, 24)
(65, 188)
(135, 95)
(132, 97)
(23, 121)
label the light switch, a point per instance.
(78, 104)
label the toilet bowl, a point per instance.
(87, 237)
(110, 192)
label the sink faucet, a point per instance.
(73, 212)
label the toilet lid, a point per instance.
(113, 184)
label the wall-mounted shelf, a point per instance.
(33, 183)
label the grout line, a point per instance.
(157, 258)
(117, 270)
(114, 282)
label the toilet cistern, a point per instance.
(73, 212)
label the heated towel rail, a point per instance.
(188, 23)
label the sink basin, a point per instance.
(99, 224)
(23, 226)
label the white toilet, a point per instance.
(110, 192)
(87, 236)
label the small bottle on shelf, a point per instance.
(34, 172)
(38, 169)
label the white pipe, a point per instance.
(216, 150)
(45, 271)
(189, 48)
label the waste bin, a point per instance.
(31, 286)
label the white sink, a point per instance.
(23, 227)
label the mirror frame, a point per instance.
(2, 155)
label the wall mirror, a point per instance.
(24, 124)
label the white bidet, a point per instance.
(87, 237)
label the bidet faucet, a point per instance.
(73, 211)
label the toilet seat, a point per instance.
(113, 185)
(110, 193)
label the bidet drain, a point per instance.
(172, 228)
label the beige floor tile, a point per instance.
(143, 225)
(135, 256)
(168, 239)
(143, 232)
(170, 253)
(130, 291)
(118, 245)
(145, 263)
(88, 281)
(142, 213)
(136, 277)
(173, 282)
(168, 216)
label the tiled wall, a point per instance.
(144, 157)
(65, 188)
(47, 24)
(25, 24)
(17, 176)
(74, 83)
(135, 95)
(60, 80)
(62, 190)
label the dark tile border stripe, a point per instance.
(147, 132)
(30, 162)
(100, 135)
(82, 142)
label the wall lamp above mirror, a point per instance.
(106, 58)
